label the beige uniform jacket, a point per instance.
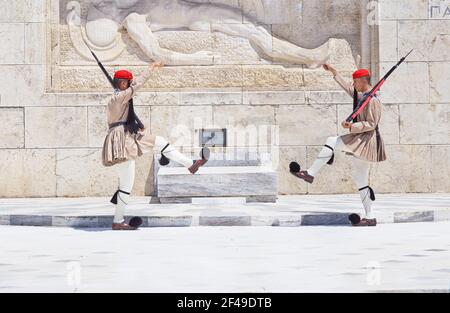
(364, 140)
(120, 145)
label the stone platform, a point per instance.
(288, 211)
(254, 180)
(255, 183)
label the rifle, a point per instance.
(365, 101)
(111, 81)
(133, 122)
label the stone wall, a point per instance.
(418, 95)
(54, 124)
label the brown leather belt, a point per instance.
(117, 124)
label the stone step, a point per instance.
(212, 218)
(305, 210)
(255, 183)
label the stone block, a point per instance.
(406, 169)
(30, 220)
(13, 43)
(403, 9)
(417, 90)
(172, 200)
(158, 98)
(23, 11)
(440, 168)
(83, 99)
(246, 125)
(388, 41)
(272, 77)
(439, 82)
(305, 124)
(179, 125)
(13, 128)
(27, 89)
(325, 219)
(169, 78)
(210, 182)
(35, 43)
(54, 127)
(27, 173)
(328, 97)
(168, 221)
(273, 97)
(288, 221)
(441, 215)
(80, 173)
(97, 126)
(265, 199)
(428, 38)
(75, 221)
(5, 220)
(210, 98)
(224, 221)
(425, 124)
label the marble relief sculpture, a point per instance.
(142, 18)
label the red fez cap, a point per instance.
(361, 73)
(122, 74)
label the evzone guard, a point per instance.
(125, 142)
(363, 142)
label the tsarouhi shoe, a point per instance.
(204, 153)
(197, 164)
(122, 226)
(305, 176)
(367, 222)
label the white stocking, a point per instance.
(325, 154)
(126, 181)
(171, 153)
(361, 178)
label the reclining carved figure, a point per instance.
(142, 18)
